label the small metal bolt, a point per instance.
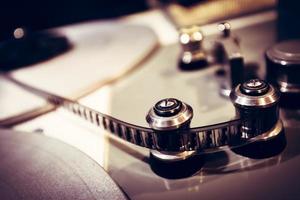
(253, 83)
(166, 103)
(255, 87)
(168, 107)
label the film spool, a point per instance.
(170, 138)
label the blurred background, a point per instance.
(41, 14)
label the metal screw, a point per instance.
(254, 83)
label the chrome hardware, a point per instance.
(167, 118)
(283, 66)
(257, 102)
(225, 28)
(231, 58)
(193, 56)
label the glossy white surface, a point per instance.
(102, 52)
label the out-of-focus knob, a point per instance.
(224, 28)
(192, 56)
(228, 54)
(283, 66)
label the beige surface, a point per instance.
(14, 99)
(216, 10)
(102, 52)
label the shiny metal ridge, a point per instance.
(172, 122)
(264, 100)
(168, 118)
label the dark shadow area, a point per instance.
(290, 100)
(216, 160)
(263, 149)
(220, 72)
(196, 65)
(251, 70)
(176, 169)
(37, 15)
(30, 49)
(288, 24)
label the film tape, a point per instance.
(204, 138)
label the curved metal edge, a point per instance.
(241, 100)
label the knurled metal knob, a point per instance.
(167, 118)
(169, 114)
(256, 103)
(255, 87)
